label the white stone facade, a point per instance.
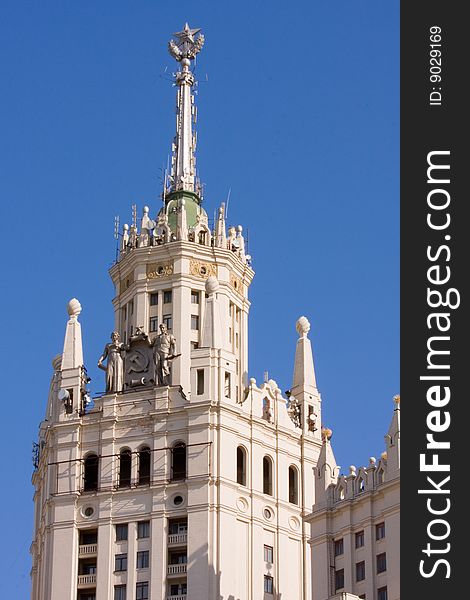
(355, 524)
(191, 482)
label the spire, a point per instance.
(392, 439)
(72, 356)
(212, 333)
(326, 471)
(304, 373)
(183, 169)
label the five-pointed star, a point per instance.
(187, 35)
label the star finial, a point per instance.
(186, 44)
(187, 35)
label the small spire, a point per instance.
(72, 356)
(304, 371)
(188, 43)
(212, 333)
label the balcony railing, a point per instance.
(178, 538)
(87, 549)
(180, 597)
(89, 579)
(176, 569)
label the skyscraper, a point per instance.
(185, 478)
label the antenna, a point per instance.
(228, 200)
(116, 235)
(134, 215)
(116, 227)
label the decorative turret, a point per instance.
(304, 385)
(326, 471)
(73, 378)
(392, 440)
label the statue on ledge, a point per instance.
(163, 351)
(115, 365)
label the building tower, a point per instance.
(185, 479)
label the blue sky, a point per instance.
(298, 115)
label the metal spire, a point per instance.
(183, 168)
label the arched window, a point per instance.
(241, 465)
(90, 475)
(144, 466)
(125, 467)
(293, 485)
(267, 476)
(178, 461)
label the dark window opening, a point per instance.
(144, 466)
(143, 559)
(178, 462)
(120, 562)
(154, 299)
(241, 465)
(88, 537)
(267, 476)
(121, 532)
(153, 326)
(268, 585)
(338, 547)
(293, 486)
(360, 571)
(143, 529)
(381, 562)
(200, 382)
(91, 473)
(339, 579)
(125, 468)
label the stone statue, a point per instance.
(163, 351)
(115, 366)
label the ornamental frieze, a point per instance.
(236, 283)
(159, 270)
(126, 282)
(202, 269)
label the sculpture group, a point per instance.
(141, 362)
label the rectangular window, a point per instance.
(382, 593)
(143, 559)
(167, 321)
(120, 562)
(380, 531)
(153, 324)
(268, 554)
(124, 313)
(359, 539)
(195, 322)
(131, 307)
(268, 584)
(143, 529)
(194, 297)
(154, 299)
(119, 592)
(121, 532)
(339, 547)
(178, 589)
(142, 591)
(200, 382)
(167, 297)
(236, 340)
(339, 579)
(360, 571)
(381, 562)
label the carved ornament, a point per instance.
(159, 270)
(202, 269)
